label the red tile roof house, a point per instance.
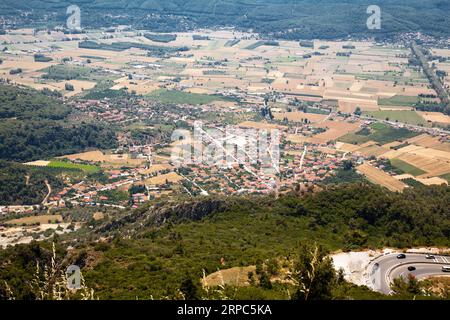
(139, 198)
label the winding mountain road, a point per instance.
(388, 267)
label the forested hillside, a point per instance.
(292, 19)
(35, 126)
(20, 185)
(153, 251)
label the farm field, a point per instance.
(298, 116)
(432, 166)
(179, 97)
(260, 125)
(142, 87)
(372, 151)
(378, 176)
(190, 71)
(156, 168)
(162, 179)
(406, 167)
(334, 130)
(347, 147)
(406, 101)
(428, 141)
(414, 181)
(295, 138)
(73, 166)
(105, 159)
(435, 117)
(404, 116)
(94, 156)
(380, 133)
(434, 162)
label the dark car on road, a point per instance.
(401, 256)
(429, 256)
(411, 268)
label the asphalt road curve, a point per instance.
(388, 267)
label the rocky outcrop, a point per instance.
(160, 214)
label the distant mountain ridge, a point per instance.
(291, 19)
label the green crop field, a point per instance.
(412, 183)
(73, 166)
(399, 101)
(378, 126)
(406, 167)
(404, 116)
(380, 133)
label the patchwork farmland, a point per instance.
(340, 99)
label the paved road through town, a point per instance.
(388, 267)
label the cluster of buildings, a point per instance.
(16, 209)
